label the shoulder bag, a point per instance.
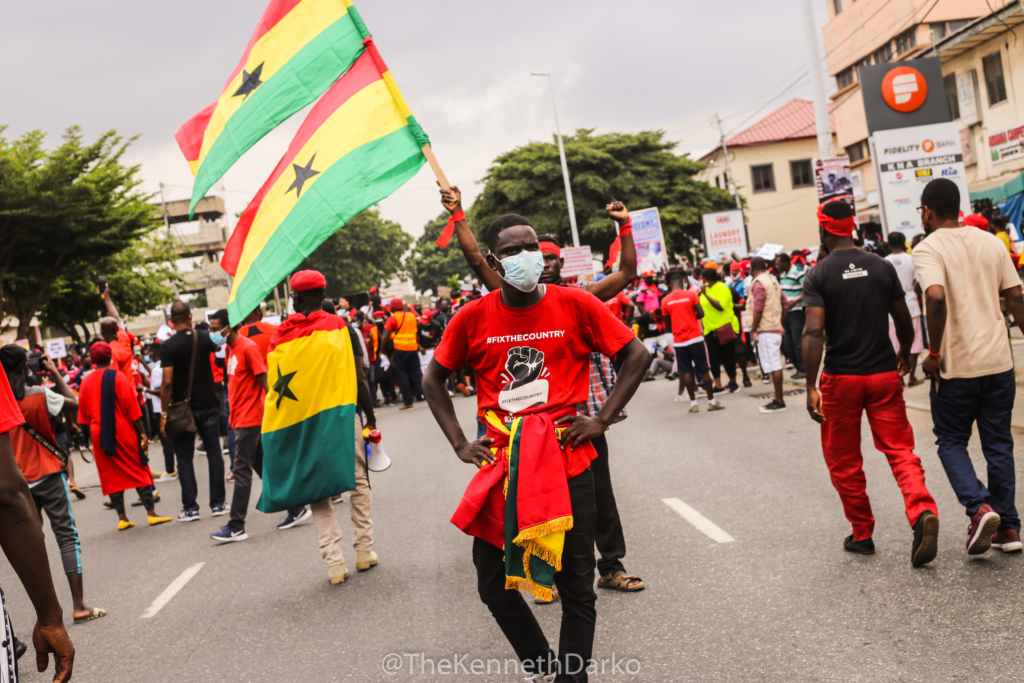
(179, 415)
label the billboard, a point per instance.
(901, 94)
(1006, 145)
(906, 160)
(724, 233)
(649, 240)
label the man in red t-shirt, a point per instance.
(683, 307)
(530, 349)
(246, 368)
(255, 330)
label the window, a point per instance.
(764, 179)
(938, 31)
(949, 81)
(844, 78)
(994, 83)
(906, 40)
(856, 152)
(718, 181)
(883, 55)
(838, 4)
(801, 173)
(955, 26)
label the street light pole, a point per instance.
(565, 167)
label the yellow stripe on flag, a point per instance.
(274, 49)
(307, 376)
(369, 114)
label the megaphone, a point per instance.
(376, 459)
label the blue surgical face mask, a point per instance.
(217, 338)
(147, 359)
(523, 270)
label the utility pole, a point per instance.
(730, 181)
(821, 121)
(565, 167)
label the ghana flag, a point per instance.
(359, 144)
(309, 415)
(298, 50)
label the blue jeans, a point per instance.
(208, 427)
(956, 405)
(794, 329)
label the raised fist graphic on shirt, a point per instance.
(524, 364)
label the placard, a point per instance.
(769, 251)
(649, 240)
(724, 233)
(55, 348)
(577, 261)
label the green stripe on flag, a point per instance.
(358, 180)
(309, 461)
(305, 77)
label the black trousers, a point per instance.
(575, 585)
(611, 543)
(410, 375)
(145, 495)
(719, 355)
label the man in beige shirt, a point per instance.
(963, 272)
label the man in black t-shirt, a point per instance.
(848, 297)
(175, 360)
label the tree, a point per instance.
(639, 169)
(365, 252)
(139, 278)
(431, 266)
(63, 212)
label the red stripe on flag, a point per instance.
(190, 135)
(275, 12)
(363, 72)
(297, 325)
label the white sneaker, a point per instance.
(540, 678)
(680, 398)
(168, 476)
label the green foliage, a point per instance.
(430, 265)
(64, 213)
(138, 277)
(638, 169)
(365, 252)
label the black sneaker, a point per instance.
(797, 375)
(865, 547)
(773, 407)
(926, 539)
(747, 383)
(733, 387)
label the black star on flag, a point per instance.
(281, 386)
(302, 174)
(253, 331)
(250, 81)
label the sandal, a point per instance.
(94, 613)
(914, 382)
(626, 583)
(79, 493)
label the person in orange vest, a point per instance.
(401, 329)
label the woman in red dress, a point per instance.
(107, 403)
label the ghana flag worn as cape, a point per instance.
(309, 416)
(298, 50)
(359, 144)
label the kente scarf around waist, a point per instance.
(520, 503)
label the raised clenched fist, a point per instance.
(524, 364)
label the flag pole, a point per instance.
(435, 167)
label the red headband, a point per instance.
(551, 248)
(842, 227)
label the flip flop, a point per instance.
(94, 613)
(79, 493)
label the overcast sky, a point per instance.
(145, 67)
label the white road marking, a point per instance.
(171, 591)
(702, 523)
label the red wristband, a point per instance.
(626, 229)
(933, 354)
(449, 230)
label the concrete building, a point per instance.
(773, 163)
(869, 32)
(199, 243)
(987, 68)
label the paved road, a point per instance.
(782, 602)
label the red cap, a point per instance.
(735, 266)
(373, 290)
(100, 352)
(397, 304)
(976, 221)
(380, 314)
(305, 280)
